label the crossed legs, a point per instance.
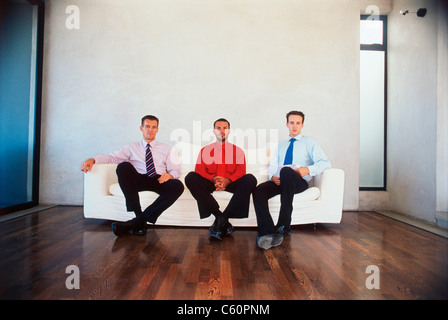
(131, 182)
(290, 184)
(238, 206)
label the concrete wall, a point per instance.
(193, 61)
(415, 114)
(251, 61)
(442, 116)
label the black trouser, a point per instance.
(131, 182)
(290, 183)
(202, 189)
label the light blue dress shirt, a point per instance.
(307, 153)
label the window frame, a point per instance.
(380, 47)
(40, 5)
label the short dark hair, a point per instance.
(221, 119)
(150, 117)
(295, 113)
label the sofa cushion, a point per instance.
(308, 195)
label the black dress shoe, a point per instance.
(218, 228)
(140, 230)
(135, 227)
(228, 229)
(215, 233)
(121, 228)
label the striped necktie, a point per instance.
(289, 152)
(150, 169)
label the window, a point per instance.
(21, 42)
(373, 62)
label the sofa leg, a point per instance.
(314, 226)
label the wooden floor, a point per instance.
(182, 263)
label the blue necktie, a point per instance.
(289, 152)
(150, 169)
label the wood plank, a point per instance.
(177, 263)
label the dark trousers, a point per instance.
(202, 189)
(131, 182)
(290, 183)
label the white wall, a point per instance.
(250, 61)
(442, 116)
(413, 109)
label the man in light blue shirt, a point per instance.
(292, 166)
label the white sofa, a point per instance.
(321, 203)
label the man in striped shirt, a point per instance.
(145, 165)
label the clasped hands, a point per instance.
(221, 183)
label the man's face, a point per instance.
(149, 130)
(295, 125)
(221, 130)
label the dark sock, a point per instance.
(217, 213)
(140, 220)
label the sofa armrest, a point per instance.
(331, 186)
(98, 180)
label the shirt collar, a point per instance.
(151, 144)
(219, 144)
(300, 136)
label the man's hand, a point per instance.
(221, 183)
(276, 180)
(303, 171)
(87, 165)
(165, 177)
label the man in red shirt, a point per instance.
(221, 166)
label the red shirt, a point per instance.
(224, 160)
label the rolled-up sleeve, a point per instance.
(173, 164)
(319, 158)
(118, 156)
